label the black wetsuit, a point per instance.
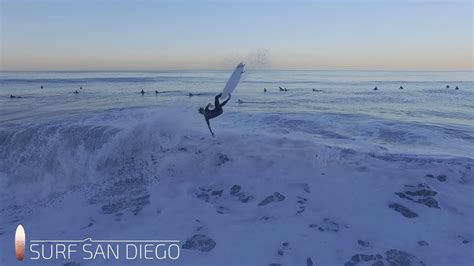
(217, 111)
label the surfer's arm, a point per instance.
(223, 103)
(209, 126)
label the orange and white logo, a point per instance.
(92, 249)
(20, 242)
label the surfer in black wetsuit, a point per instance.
(217, 111)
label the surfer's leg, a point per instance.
(216, 100)
(222, 104)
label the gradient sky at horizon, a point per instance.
(204, 34)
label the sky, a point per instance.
(205, 34)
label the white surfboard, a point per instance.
(233, 81)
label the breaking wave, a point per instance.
(47, 159)
(51, 158)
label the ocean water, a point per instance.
(425, 117)
(343, 157)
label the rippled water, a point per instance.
(341, 156)
(425, 98)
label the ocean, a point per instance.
(323, 166)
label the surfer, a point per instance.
(239, 101)
(447, 86)
(41, 86)
(142, 92)
(217, 110)
(76, 92)
(281, 89)
(156, 92)
(213, 113)
(376, 88)
(401, 88)
(457, 88)
(264, 89)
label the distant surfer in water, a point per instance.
(213, 113)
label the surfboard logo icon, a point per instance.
(20, 242)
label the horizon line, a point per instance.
(273, 69)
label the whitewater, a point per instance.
(329, 172)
